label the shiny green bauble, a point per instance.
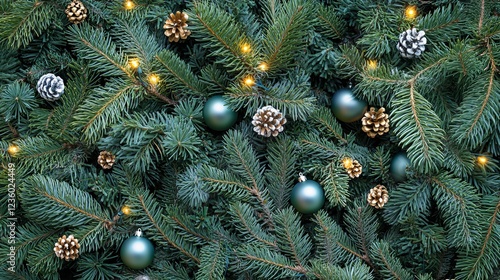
(346, 107)
(137, 252)
(217, 114)
(307, 197)
(398, 166)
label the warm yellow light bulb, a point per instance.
(153, 79)
(129, 5)
(249, 81)
(482, 160)
(411, 12)
(134, 63)
(126, 210)
(347, 162)
(263, 67)
(13, 149)
(371, 64)
(245, 48)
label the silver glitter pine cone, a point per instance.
(268, 121)
(50, 87)
(412, 43)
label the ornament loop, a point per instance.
(302, 178)
(138, 232)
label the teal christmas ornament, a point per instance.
(346, 107)
(218, 116)
(137, 252)
(398, 166)
(307, 196)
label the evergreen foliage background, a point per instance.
(216, 204)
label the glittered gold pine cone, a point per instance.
(375, 122)
(176, 27)
(67, 248)
(352, 167)
(268, 121)
(106, 159)
(378, 196)
(76, 12)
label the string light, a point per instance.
(126, 210)
(371, 64)
(249, 81)
(245, 48)
(263, 67)
(13, 149)
(134, 63)
(153, 79)
(347, 162)
(129, 5)
(411, 12)
(482, 160)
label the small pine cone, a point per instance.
(67, 248)
(76, 12)
(353, 167)
(378, 196)
(268, 121)
(142, 277)
(50, 87)
(411, 43)
(106, 159)
(175, 27)
(375, 122)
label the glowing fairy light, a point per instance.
(129, 5)
(249, 81)
(411, 12)
(13, 149)
(134, 63)
(153, 79)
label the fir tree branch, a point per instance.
(284, 38)
(489, 91)
(242, 212)
(486, 239)
(188, 230)
(244, 162)
(481, 17)
(162, 233)
(291, 237)
(298, 269)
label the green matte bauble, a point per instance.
(137, 252)
(398, 166)
(346, 107)
(307, 196)
(217, 114)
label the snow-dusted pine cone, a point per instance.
(268, 121)
(375, 122)
(353, 167)
(50, 87)
(106, 159)
(142, 277)
(76, 12)
(378, 196)
(176, 27)
(67, 248)
(412, 43)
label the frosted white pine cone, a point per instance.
(268, 121)
(411, 43)
(50, 87)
